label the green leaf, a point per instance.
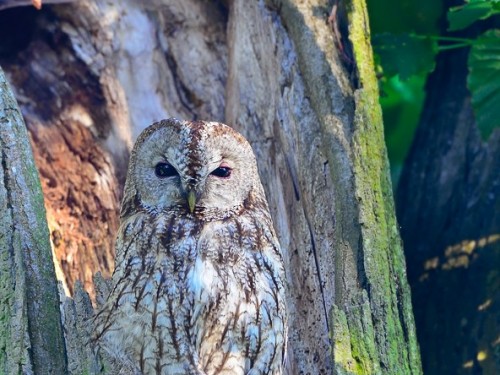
(484, 81)
(405, 54)
(464, 15)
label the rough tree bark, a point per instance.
(31, 339)
(449, 212)
(304, 96)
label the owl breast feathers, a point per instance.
(199, 285)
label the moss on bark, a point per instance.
(384, 264)
(30, 320)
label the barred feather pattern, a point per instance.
(196, 293)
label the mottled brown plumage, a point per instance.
(199, 283)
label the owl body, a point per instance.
(198, 287)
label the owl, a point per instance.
(199, 284)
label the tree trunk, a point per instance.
(31, 338)
(449, 212)
(299, 85)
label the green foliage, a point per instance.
(405, 54)
(402, 103)
(484, 62)
(465, 15)
(404, 16)
(402, 100)
(483, 81)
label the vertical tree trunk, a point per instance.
(449, 212)
(31, 337)
(317, 133)
(276, 71)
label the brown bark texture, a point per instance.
(90, 75)
(449, 210)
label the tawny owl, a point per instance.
(199, 282)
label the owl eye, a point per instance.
(223, 171)
(163, 170)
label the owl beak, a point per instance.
(191, 200)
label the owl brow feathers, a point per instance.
(196, 135)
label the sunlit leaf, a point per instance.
(464, 15)
(405, 54)
(484, 81)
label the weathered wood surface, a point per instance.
(274, 71)
(318, 137)
(31, 334)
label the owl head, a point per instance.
(199, 168)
